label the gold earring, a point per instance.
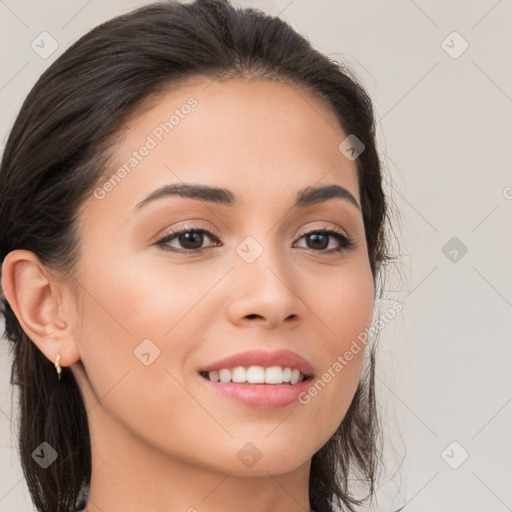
(57, 365)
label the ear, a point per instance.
(37, 301)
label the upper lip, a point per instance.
(284, 358)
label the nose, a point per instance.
(265, 291)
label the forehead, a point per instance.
(262, 139)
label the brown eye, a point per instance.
(189, 239)
(318, 240)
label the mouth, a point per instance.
(273, 375)
(260, 379)
(259, 367)
(258, 387)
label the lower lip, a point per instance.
(263, 396)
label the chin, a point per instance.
(274, 466)
(252, 462)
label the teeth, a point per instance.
(257, 375)
(295, 376)
(225, 375)
(239, 374)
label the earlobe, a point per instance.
(35, 300)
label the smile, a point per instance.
(256, 375)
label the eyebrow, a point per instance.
(306, 197)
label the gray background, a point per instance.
(445, 134)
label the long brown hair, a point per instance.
(56, 153)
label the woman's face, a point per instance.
(157, 313)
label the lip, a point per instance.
(284, 358)
(262, 396)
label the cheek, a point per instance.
(355, 303)
(134, 308)
(344, 305)
(135, 299)
(344, 311)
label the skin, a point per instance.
(161, 440)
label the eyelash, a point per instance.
(345, 242)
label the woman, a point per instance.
(192, 236)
